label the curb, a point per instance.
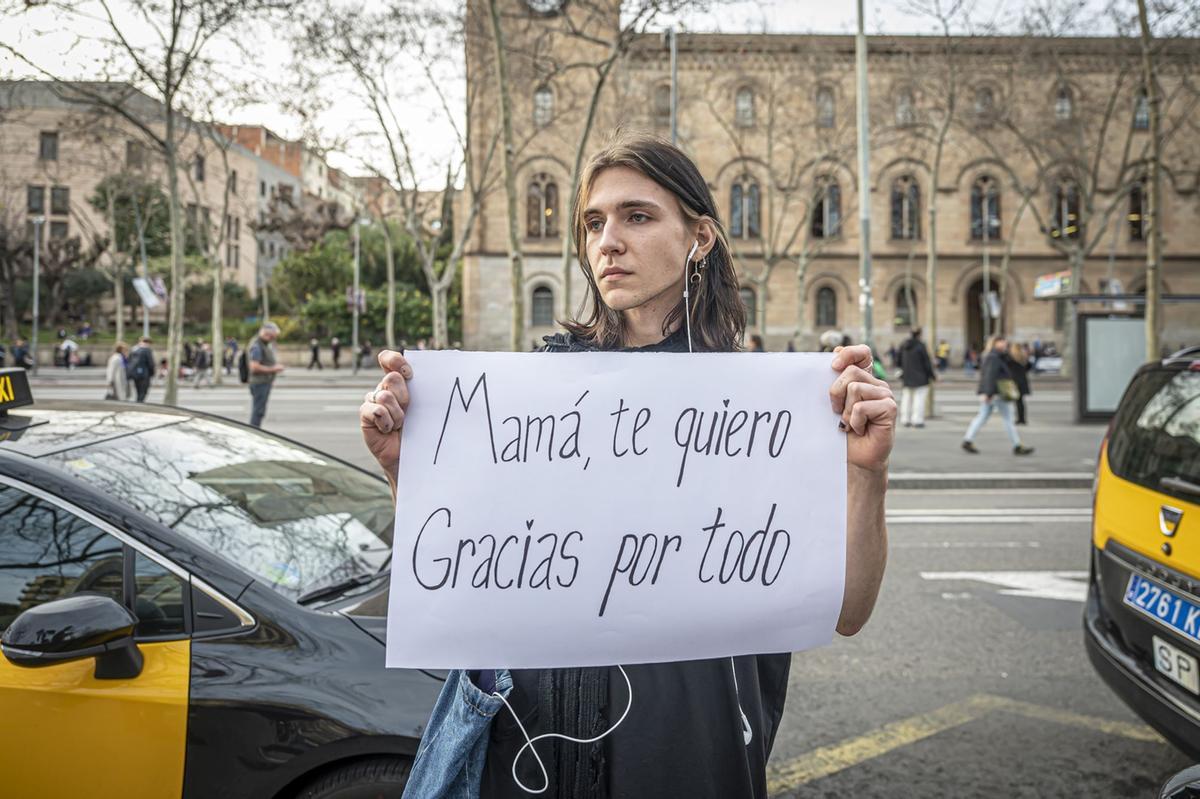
(983, 480)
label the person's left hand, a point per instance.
(867, 407)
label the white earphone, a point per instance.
(687, 307)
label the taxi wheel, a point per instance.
(376, 778)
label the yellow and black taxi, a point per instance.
(1142, 619)
(191, 607)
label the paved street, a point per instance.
(971, 679)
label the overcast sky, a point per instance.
(58, 48)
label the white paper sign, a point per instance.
(600, 508)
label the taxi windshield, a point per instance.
(294, 519)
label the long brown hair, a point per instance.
(718, 316)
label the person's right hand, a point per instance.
(381, 416)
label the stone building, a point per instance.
(1040, 168)
(57, 145)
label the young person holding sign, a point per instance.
(661, 279)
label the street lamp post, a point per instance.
(987, 267)
(865, 300)
(38, 221)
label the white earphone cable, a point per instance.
(529, 742)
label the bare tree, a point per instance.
(379, 49)
(801, 161)
(1085, 151)
(165, 67)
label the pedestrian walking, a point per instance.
(916, 372)
(335, 350)
(943, 356)
(263, 369)
(701, 728)
(314, 346)
(116, 378)
(756, 344)
(997, 393)
(1019, 366)
(141, 367)
(204, 365)
(364, 354)
(230, 354)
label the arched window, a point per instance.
(985, 103)
(906, 306)
(1065, 213)
(543, 106)
(662, 105)
(1141, 111)
(985, 209)
(906, 208)
(1137, 204)
(826, 307)
(827, 209)
(744, 107)
(906, 108)
(825, 107)
(542, 208)
(750, 301)
(541, 309)
(1064, 104)
(744, 209)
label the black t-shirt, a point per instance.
(683, 735)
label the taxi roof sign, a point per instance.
(14, 389)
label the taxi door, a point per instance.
(63, 731)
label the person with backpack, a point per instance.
(262, 368)
(645, 221)
(141, 367)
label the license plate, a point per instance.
(1176, 664)
(1164, 606)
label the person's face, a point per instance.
(1001, 345)
(637, 239)
(267, 336)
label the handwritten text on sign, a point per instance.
(601, 508)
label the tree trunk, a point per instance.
(516, 259)
(1004, 261)
(801, 308)
(568, 268)
(117, 274)
(11, 328)
(175, 303)
(390, 324)
(1068, 350)
(218, 310)
(441, 331)
(761, 305)
(1154, 198)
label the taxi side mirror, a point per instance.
(1184, 785)
(76, 627)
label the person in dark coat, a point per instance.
(993, 371)
(916, 373)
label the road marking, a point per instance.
(965, 545)
(1069, 586)
(986, 511)
(1079, 519)
(829, 760)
